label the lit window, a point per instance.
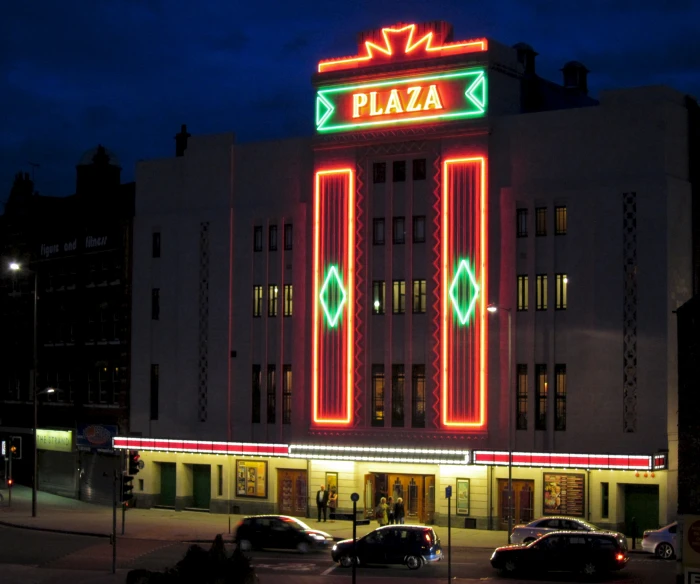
(398, 382)
(286, 394)
(378, 297)
(521, 396)
(399, 297)
(541, 291)
(257, 300)
(377, 395)
(419, 296)
(560, 397)
(272, 300)
(541, 221)
(523, 295)
(561, 283)
(288, 299)
(560, 220)
(541, 397)
(418, 397)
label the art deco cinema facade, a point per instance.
(314, 311)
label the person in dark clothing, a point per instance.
(399, 512)
(390, 510)
(322, 502)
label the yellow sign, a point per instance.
(58, 440)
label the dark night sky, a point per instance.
(127, 73)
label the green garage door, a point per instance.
(167, 484)
(642, 508)
(201, 486)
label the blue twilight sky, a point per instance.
(127, 73)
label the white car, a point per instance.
(661, 542)
(538, 527)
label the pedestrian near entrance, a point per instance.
(322, 502)
(381, 514)
(332, 503)
(399, 512)
(390, 510)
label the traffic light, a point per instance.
(134, 466)
(127, 488)
(16, 447)
(9, 483)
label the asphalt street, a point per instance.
(39, 557)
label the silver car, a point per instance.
(661, 542)
(538, 527)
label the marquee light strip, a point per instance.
(389, 50)
(200, 446)
(594, 461)
(378, 453)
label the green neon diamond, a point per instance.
(464, 291)
(332, 296)
(476, 92)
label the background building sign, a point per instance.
(387, 102)
(66, 246)
(563, 494)
(57, 440)
(95, 436)
(251, 478)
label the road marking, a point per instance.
(328, 571)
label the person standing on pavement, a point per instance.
(332, 503)
(390, 510)
(322, 502)
(381, 512)
(399, 511)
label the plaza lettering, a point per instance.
(396, 101)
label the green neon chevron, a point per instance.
(476, 92)
(322, 116)
(332, 296)
(464, 291)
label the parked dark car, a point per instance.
(411, 545)
(279, 532)
(591, 553)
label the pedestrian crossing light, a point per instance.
(127, 488)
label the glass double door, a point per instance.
(417, 492)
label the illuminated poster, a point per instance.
(563, 494)
(251, 478)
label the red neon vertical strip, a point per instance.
(463, 392)
(333, 348)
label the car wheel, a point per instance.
(303, 547)
(413, 562)
(664, 551)
(346, 561)
(528, 539)
(244, 545)
(589, 569)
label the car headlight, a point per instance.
(335, 547)
(318, 537)
(493, 555)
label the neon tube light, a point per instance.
(411, 49)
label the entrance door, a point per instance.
(369, 496)
(429, 504)
(167, 484)
(523, 502)
(641, 508)
(201, 486)
(292, 492)
(412, 489)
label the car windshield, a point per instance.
(296, 523)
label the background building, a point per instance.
(80, 248)
(314, 311)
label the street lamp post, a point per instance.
(493, 308)
(16, 267)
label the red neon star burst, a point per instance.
(400, 44)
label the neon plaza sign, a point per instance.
(439, 97)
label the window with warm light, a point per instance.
(399, 297)
(541, 396)
(560, 220)
(541, 221)
(398, 384)
(257, 301)
(541, 291)
(379, 172)
(271, 394)
(521, 397)
(272, 292)
(418, 397)
(286, 394)
(523, 292)
(256, 390)
(560, 297)
(560, 397)
(288, 299)
(378, 236)
(377, 395)
(419, 296)
(378, 297)
(521, 222)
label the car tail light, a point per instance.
(620, 557)
(427, 537)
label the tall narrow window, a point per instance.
(272, 300)
(419, 169)
(560, 220)
(540, 221)
(257, 300)
(288, 290)
(398, 384)
(399, 171)
(541, 397)
(286, 394)
(379, 172)
(523, 294)
(288, 236)
(155, 252)
(377, 395)
(378, 236)
(155, 382)
(561, 282)
(378, 297)
(521, 222)
(257, 238)
(604, 500)
(560, 397)
(271, 394)
(399, 230)
(155, 304)
(419, 296)
(419, 229)
(541, 291)
(399, 297)
(256, 397)
(273, 238)
(521, 397)
(418, 397)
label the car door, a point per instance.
(372, 549)
(547, 554)
(280, 535)
(262, 535)
(396, 545)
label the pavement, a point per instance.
(64, 515)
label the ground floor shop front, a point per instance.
(230, 483)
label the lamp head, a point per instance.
(15, 266)
(492, 308)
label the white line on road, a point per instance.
(328, 571)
